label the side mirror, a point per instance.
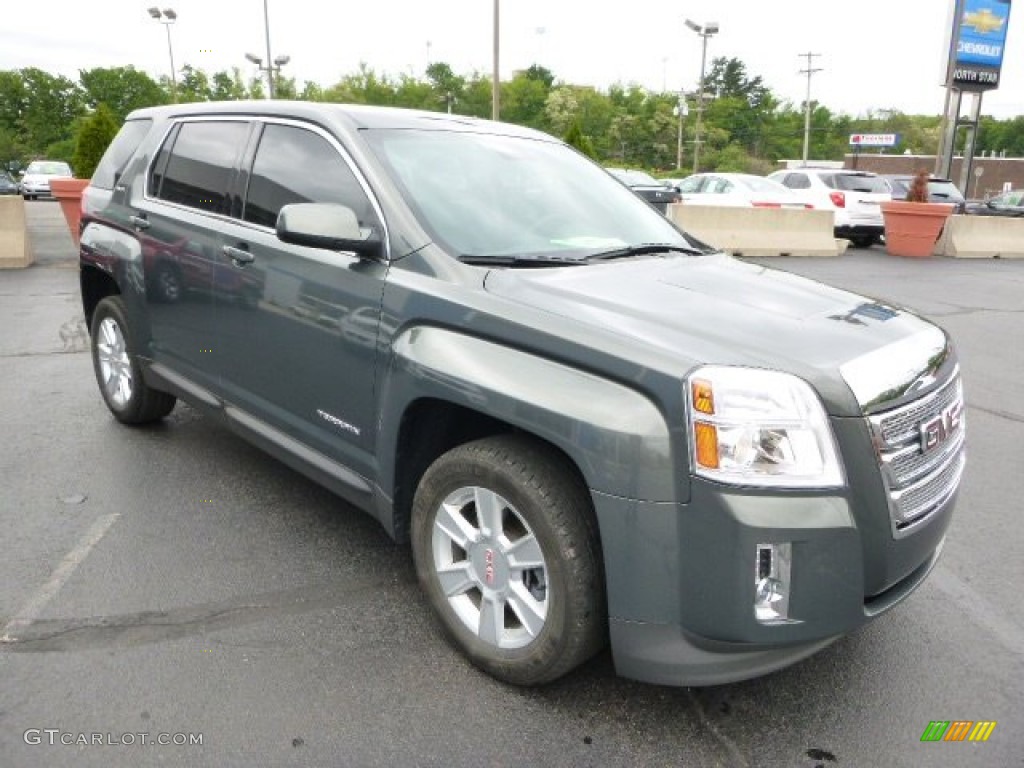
(328, 226)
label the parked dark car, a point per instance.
(8, 186)
(588, 427)
(647, 187)
(1007, 204)
(939, 190)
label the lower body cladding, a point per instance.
(736, 583)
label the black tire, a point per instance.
(543, 504)
(863, 242)
(117, 369)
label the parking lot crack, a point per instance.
(128, 630)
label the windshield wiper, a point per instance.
(645, 248)
(496, 260)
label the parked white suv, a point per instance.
(854, 196)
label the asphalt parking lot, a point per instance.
(174, 581)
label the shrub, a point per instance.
(94, 136)
(918, 192)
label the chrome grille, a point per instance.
(921, 452)
(896, 427)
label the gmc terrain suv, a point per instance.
(588, 426)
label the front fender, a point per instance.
(616, 436)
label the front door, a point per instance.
(297, 327)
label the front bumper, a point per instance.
(37, 188)
(681, 579)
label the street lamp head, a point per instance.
(254, 59)
(711, 28)
(694, 26)
(170, 14)
(154, 12)
(280, 61)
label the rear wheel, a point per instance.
(117, 370)
(864, 241)
(506, 550)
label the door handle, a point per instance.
(238, 255)
(139, 222)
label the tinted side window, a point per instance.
(200, 165)
(120, 152)
(691, 185)
(294, 165)
(797, 181)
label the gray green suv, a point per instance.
(588, 426)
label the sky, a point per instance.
(874, 54)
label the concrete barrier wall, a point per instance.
(982, 237)
(760, 231)
(14, 243)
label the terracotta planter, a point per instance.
(69, 194)
(912, 229)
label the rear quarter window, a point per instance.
(120, 151)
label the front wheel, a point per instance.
(506, 550)
(117, 371)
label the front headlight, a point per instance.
(758, 427)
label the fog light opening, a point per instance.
(771, 582)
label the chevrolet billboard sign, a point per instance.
(978, 42)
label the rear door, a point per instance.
(297, 326)
(187, 201)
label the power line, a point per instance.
(807, 104)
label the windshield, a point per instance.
(502, 196)
(48, 168)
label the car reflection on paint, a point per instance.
(182, 267)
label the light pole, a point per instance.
(495, 77)
(167, 17)
(270, 69)
(681, 111)
(273, 65)
(710, 28)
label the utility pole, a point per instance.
(807, 104)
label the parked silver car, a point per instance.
(36, 181)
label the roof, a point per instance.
(359, 116)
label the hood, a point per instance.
(717, 310)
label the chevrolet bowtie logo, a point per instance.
(984, 21)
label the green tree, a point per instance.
(122, 89)
(48, 113)
(94, 136)
(447, 86)
(228, 86)
(523, 99)
(576, 138)
(193, 85)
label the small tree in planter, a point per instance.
(913, 226)
(94, 136)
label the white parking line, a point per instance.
(30, 611)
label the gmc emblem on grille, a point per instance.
(935, 432)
